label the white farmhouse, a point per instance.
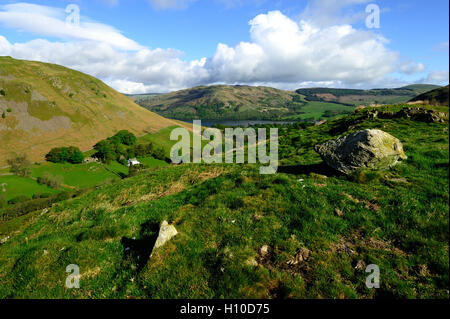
(133, 162)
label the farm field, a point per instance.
(79, 176)
(13, 186)
(75, 176)
(319, 110)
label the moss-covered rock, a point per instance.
(367, 149)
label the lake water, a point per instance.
(245, 123)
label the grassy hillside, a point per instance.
(438, 96)
(306, 232)
(222, 102)
(45, 105)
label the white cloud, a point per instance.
(438, 77)
(159, 70)
(130, 87)
(49, 21)
(410, 67)
(285, 51)
(282, 53)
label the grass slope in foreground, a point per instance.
(321, 229)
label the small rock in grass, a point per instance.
(257, 217)
(360, 265)
(4, 240)
(264, 251)
(301, 256)
(339, 212)
(251, 262)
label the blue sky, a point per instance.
(162, 45)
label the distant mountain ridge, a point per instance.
(375, 96)
(241, 102)
(46, 105)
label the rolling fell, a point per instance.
(44, 106)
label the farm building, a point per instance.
(133, 162)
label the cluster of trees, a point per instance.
(122, 146)
(70, 154)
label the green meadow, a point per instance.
(13, 186)
(78, 176)
(319, 110)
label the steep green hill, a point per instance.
(435, 97)
(306, 232)
(240, 102)
(45, 105)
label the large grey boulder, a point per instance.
(368, 149)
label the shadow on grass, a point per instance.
(138, 250)
(320, 168)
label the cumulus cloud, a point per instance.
(282, 50)
(282, 53)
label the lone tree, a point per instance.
(20, 165)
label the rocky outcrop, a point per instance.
(414, 113)
(367, 149)
(422, 115)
